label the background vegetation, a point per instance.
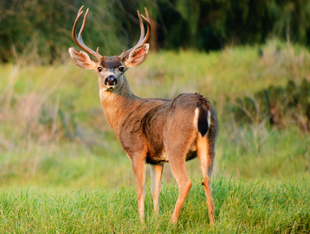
(204, 25)
(62, 169)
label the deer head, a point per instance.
(110, 70)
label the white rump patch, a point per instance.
(196, 118)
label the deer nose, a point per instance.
(110, 80)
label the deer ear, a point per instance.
(137, 56)
(81, 59)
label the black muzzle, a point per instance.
(110, 80)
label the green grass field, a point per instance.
(62, 169)
(258, 206)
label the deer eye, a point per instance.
(99, 69)
(121, 68)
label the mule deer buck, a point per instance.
(152, 130)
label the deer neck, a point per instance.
(117, 104)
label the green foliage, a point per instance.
(43, 28)
(276, 104)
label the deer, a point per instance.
(152, 131)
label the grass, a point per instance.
(262, 207)
(62, 169)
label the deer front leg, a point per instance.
(138, 166)
(156, 173)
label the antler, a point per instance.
(143, 38)
(78, 40)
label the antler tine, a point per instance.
(147, 20)
(143, 38)
(78, 40)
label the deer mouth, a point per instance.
(110, 87)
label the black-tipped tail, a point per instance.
(203, 125)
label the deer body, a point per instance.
(148, 124)
(153, 130)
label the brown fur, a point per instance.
(110, 62)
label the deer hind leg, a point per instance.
(138, 166)
(205, 151)
(156, 173)
(177, 165)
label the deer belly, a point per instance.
(192, 152)
(158, 158)
(191, 155)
